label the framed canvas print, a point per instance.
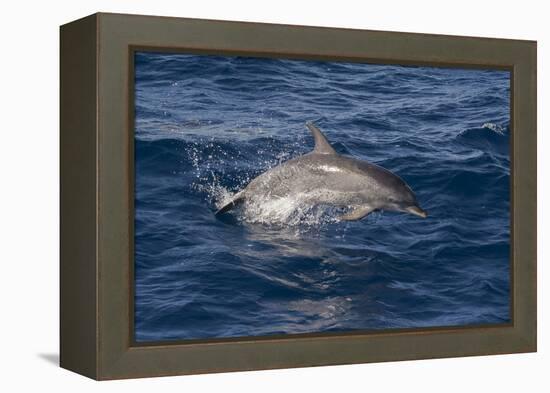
(241, 196)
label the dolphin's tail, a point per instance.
(237, 200)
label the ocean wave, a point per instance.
(283, 266)
(210, 163)
(490, 138)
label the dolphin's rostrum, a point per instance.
(324, 177)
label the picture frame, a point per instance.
(97, 195)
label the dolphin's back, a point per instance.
(325, 177)
(319, 178)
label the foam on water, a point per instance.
(495, 128)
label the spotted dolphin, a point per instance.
(324, 177)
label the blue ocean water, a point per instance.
(206, 125)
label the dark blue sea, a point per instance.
(206, 125)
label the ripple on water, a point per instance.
(273, 267)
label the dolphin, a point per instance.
(324, 177)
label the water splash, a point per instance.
(209, 158)
(499, 129)
(288, 211)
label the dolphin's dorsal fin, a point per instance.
(322, 145)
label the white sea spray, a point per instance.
(494, 127)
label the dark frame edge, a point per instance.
(78, 344)
(525, 190)
(291, 25)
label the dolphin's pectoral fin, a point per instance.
(322, 145)
(358, 213)
(231, 204)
